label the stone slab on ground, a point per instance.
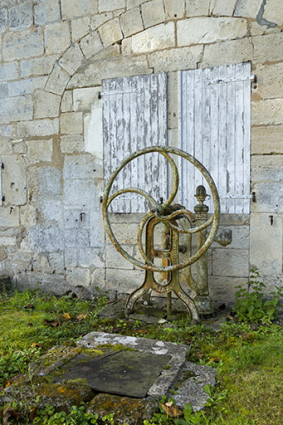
(168, 376)
(191, 383)
(124, 373)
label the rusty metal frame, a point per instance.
(163, 213)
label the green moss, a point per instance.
(116, 347)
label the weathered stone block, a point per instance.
(22, 45)
(93, 73)
(71, 257)
(46, 104)
(57, 37)
(156, 38)
(72, 59)
(268, 111)
(240, 237)
(131, 22)
(71, 122)
(72, 143)
(46, 127)
(37, 66)
(231, 262)
(27, 215)
(227, 52)
(110, 32)
(3, 19)
(108, 6)
(221, 8)
(134, 3)
(19, 146)
(27, 86)
(98, 279)
(269, 197)
(72, 8)
(175, 59)
(21, 16)
(114, 260)
(127, 46)
(78, 277)
(76, 238)
(267, 168)
(8, 131)
(273, 11)
(124, 281)
(174, 9)
(153, 13)
(56, 262)
(267, 86)
(57, 81)
(268, 48)
(108, 52)
(9, 71)
(91, 44)
(9, 217)
(46, 12)
(84, 98)
(191, 31)
(5, 146)
(78, 193)
(79, 28)
(267, 140)
(91, 257)
(40, 150)
(49, 181)
(14, 180)
(51, 209)
(80, 167)
(197, 8)
(8, 241)
(75, 218)
(3, 90)
(125, 233)
(248, 8)
(100, 19)
(222, 289)
(266, 243)
(46, 239)
(67, 101)
(16, 109)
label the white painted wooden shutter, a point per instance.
(214, 126)
(135, 117)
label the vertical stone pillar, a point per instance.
(202, 300)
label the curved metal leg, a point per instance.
(134, 296)
(189, 303)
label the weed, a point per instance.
(250, 304)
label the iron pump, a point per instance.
(170, 216)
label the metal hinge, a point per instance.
(104, 93)
(237, 197)
(252, 78)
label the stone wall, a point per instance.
(53, 57)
